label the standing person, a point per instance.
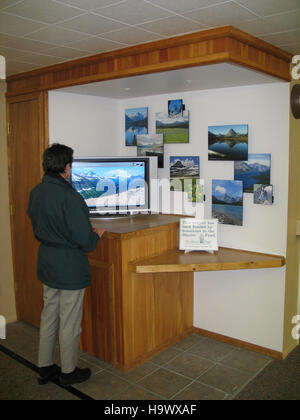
(60, 221)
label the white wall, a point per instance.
(88, 124)
(248, 304)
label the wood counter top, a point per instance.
(139, 225)
(224, 259)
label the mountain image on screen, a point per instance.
(115, 188)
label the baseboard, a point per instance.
(239, 343)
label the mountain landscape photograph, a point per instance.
(227, 202)
(256, 170)
(136, 122)
(184, 167)
(263, 194)
(175, 129)
(228, 142)
(151, 145)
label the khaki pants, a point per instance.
(61, 316)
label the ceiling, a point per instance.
(39, 33)
(213, 76)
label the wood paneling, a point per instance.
(98, 334)
(127, 317)
(26, 143)
(213, 46)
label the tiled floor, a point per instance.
(197, 368)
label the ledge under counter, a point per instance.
(223, 259)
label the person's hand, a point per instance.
(99, 232)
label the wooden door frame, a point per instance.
(43, 120)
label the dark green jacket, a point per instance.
(60, 220)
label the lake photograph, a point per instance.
(227, 202)
(256, 170)
(228, 142)
(136, 123)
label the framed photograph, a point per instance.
(227, 202)
(228, 142)
(263, 194)
(175, 108)
(175, 130)
(256, 170)
(184, 167)
(151, 145)
(136, 123)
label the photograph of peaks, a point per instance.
(227, 202)
(136, 122)
(256, 170)
(151, 145)
(228, 142)
(184, 167)
(175, 129)
(110, 184)
(263, 194)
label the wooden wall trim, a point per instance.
(226, 44)
(239, 343)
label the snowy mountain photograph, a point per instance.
(136, 123)
(227, 202)
(228, 142)
(110, 186)
(184, 167)
(263, 194)
(256, 170)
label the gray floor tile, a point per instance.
(197, 368)
(211, 349)
(224, 378)
(246, 360)
(189, 342)
(135, 374)
(164, 383)
(189, 365)
(103, 386)
(200, 392)
(165, 356)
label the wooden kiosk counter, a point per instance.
(142, 296)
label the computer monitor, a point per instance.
(112, 186)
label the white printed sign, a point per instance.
(198, 235)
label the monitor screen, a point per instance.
(110, 185)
